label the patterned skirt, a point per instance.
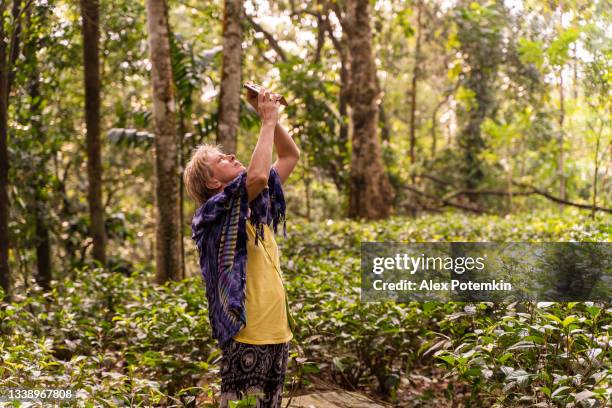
(253, 370)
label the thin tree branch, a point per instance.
(321, 23)
(273, 43)
(434, 178)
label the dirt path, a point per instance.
(332, 399)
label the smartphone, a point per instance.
(252, 86)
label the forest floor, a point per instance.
(424, 387)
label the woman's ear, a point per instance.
(213, 184)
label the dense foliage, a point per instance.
(118, 339)
(471, 133)
(498, 109)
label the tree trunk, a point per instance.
(90, 10)
(229, 96)
(479, 77)
(307, 181)
(341, 47)
(181, 158)
(8, 58)
(14, 41)
(413, 89)
(184, 110)
(43, 249)
(42, 238)
(5, 280)
(595, 173)
(575, 65)
(434, 122)
(384, 123)
(371, 194)
(509, 172)
(168, 236)
(561, 159)
(345, 80)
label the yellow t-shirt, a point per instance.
(266, 312)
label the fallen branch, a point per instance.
(531, 191)
(560, 200)
(447, 202)
(454, 194)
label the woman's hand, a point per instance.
(267, 107)
(252, 98)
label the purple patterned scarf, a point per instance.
(219, 231)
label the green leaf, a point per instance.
(553, 318)
(569, 320)
(449, 359)
(558, 49)
(559, 391)
(310, 368)
(593, 311)
(522, 345)
(531, 52)
(521, 377)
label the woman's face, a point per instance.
(225, 168)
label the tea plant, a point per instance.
(120, 340)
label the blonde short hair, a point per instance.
(198, 172)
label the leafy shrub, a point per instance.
(376, 344)
(118, 340)
(549, 354)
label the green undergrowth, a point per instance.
(120, 340)
(516, 354)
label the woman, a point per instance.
(239, 257)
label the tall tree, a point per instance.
(90, 14)
(341, 46)
(168, 255)
(479, 30)
(5, 280)
(229, 96)
(561, 158)
(371, 194)
(34, 19)
(415, 77)
(8, 57)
